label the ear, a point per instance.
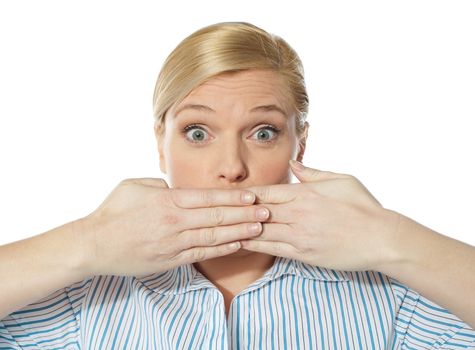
(303, 142)
(160, 137)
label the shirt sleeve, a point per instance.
(423, 324)
(50, 323)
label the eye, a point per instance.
(263, 132)
(196, 131)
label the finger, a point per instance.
(204, 253)
(219, 216)
(209, 197)
(278, 233)
(286, 213)
(279, 193)
(272, 248)
(314, 174)
(212, 236)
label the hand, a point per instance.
(145, 227)
(329, 219)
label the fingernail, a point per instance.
(248, 197)
(262, 213)
(254, 227)
(234, 245)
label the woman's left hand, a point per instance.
(329, 219)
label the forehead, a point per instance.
(251, 85)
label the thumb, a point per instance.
(306, 174)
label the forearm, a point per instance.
(438, 267)
(35, 267)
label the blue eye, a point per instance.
(265, 131)
(199, 134)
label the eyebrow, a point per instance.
(203, 108)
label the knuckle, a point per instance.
(185, 238)
(173, 197)
(210, 236)
(177, 258)
(199, 254)
(262, 193)
(217, 216)
(207, 198)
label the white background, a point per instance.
(391, 86)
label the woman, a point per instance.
(153, 266)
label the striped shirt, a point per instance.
(292, 306)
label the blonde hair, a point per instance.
(225, 48)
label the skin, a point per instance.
(332, 220)
(329, 219)
(232, 153)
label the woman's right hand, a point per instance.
(144, 227)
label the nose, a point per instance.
(232, 161)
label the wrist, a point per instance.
(80, 231)
(393, 251)
(407, 246)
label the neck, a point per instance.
(233, 273)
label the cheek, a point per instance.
(181, 165)
(273, 170)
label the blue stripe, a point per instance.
(213, 319)
(343, 321)
(307, 314)
(418, 339)
(272, 328)
(127, 338)
(418, 314)
(380, 317)
(140, 327)
(205, 332)
(460, 345)
(249, 323)
(63, 297)
(386, 294)
(121, 319)
(334, 336)
(319, 314)
(259, 310)
(97, 316)
(238, 322)
(355, 318)
(363, 309)
(187, 317)
(368, 321)
(426, 304)
(49, 329)
(112, 311)
(295, 311)
(284, 323)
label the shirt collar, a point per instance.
(186, 278)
